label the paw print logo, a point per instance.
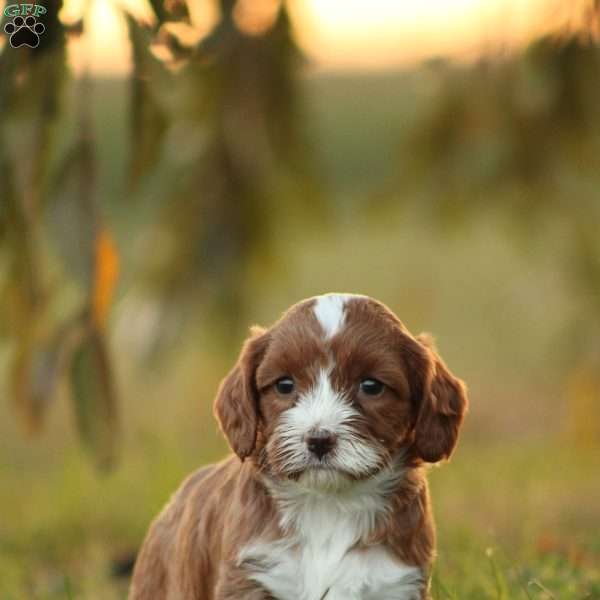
(24, 32)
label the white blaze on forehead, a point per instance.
(329, 310)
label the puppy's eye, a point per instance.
(371, 387)
(284, 386)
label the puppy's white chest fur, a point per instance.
(317, 559)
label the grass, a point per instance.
(509, 524)
(516, 521)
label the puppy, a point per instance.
(332, 414)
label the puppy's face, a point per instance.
(335, 390)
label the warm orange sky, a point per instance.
(351, 34)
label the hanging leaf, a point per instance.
(148, 115)
(85, 246)
(106, 273)
(33, 379)
(37, 367)
(31, 89)
(23, 293)
(72, 214)
(94, 398)
(166, 41)
(30, 96)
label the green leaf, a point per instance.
(22, 286)
(72, 213)
(148, 116)
(94, 398)
(29, 403)
(36, 369)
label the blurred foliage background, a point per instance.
(146, 221)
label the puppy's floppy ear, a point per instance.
(236, 404)
(443, 407)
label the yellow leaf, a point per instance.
(106, 273)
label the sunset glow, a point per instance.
(386, 33)
(342, 34)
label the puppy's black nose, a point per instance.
(320, 443)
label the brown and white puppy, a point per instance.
(332, 414)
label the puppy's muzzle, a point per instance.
(320, 442)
